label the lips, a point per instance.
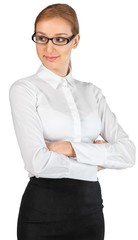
(51, 58)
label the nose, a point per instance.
(49, 47)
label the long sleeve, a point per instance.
(118, 152)
(48, 108)
(38, 160)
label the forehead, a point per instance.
(53, 26)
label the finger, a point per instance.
(100, 141)
(99, 168)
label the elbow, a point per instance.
(133, 156)
(126, 155)
(38, 163)
(130, 155)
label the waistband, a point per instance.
(64, 183)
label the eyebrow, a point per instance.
(57, 34)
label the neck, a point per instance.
(61, 72)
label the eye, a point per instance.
(60, 40)
(40, 39)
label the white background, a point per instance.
(108, 57)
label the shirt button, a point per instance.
(64, 83)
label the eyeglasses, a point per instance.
(59, 41)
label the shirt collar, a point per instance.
(53, 79)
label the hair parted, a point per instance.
(60, 10)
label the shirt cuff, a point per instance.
(89, 153)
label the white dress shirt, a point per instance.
(46, 107)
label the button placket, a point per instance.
(74, 111)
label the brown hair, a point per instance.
(60, 10)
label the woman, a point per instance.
(57, 120)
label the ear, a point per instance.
(76, 40)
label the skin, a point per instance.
(57, 59)
(65, 147)
(56, 27)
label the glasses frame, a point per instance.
(69, 39)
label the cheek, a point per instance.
(41, 50)
(38, 50)
(67, 51)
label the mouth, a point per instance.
(51, 58)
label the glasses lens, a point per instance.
(40, 39)
(60, 41)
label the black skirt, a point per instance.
(61, 209)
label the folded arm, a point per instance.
(38, 159)
(118, 152)
(65, 147)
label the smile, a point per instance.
(51, 58)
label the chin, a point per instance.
(47, 64)
(51, 67)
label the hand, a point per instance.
(100, 142)
(63, 147)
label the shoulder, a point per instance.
(23, 91)
(91, 89)
(23, 85)
(96, 90)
